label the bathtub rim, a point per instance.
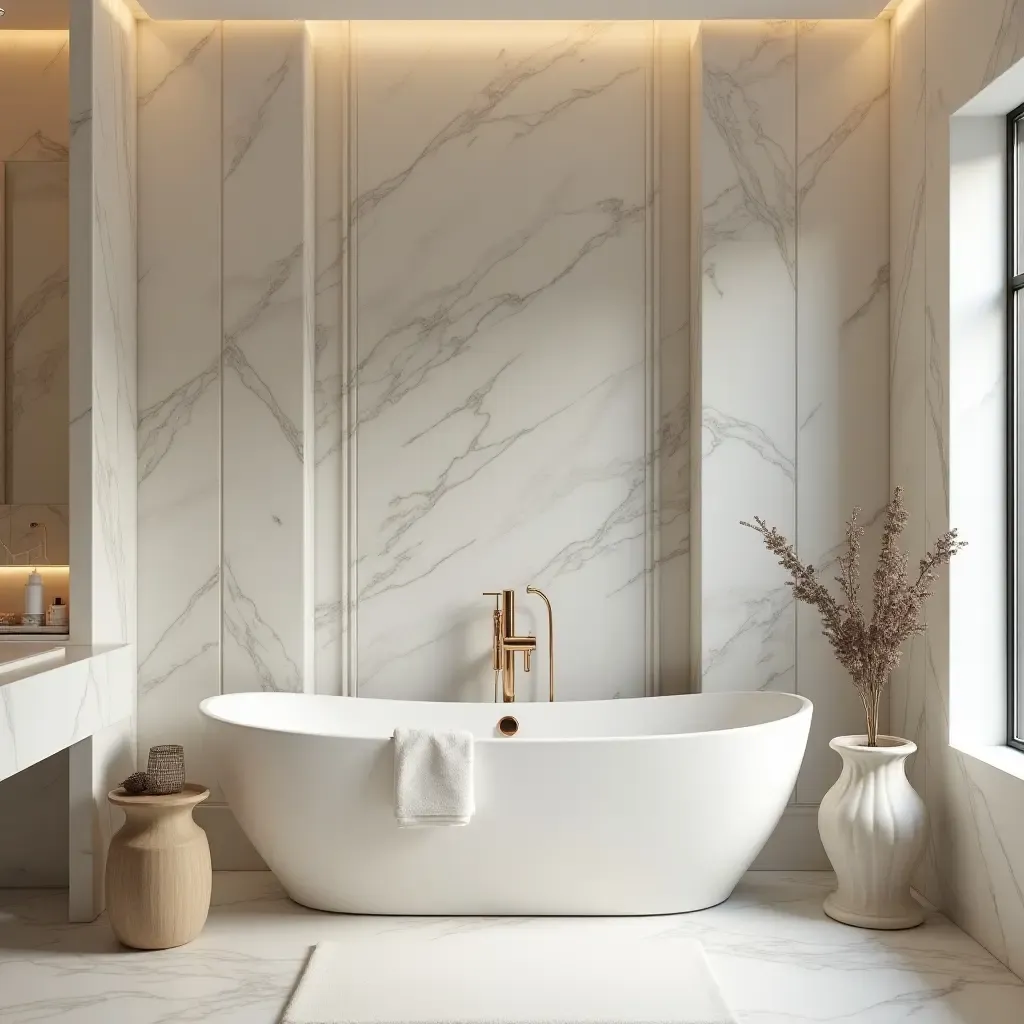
(803, 708)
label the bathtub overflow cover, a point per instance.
(508, 726)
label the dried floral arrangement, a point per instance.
(869, 651)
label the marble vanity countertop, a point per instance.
(16, 631)
(49, 703)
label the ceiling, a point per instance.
(330, 10)
(30, 14)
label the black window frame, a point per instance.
(1014, 285)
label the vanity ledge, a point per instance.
(48, 704)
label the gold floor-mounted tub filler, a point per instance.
(505, 643)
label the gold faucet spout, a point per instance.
(505, 644)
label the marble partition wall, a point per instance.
(103, 407)
(794, 352)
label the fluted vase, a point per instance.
(872, 825)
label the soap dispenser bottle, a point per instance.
(34, 601)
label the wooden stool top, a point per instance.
(191, 794)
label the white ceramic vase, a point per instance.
(872, 825)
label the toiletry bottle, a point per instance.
(34, 607)
(57, 613)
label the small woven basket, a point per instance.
(166, 769)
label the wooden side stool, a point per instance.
(158, 875)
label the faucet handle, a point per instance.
(496, 594)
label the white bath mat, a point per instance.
(505, 973)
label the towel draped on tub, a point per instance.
(433, 777)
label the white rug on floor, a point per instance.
(492, 973)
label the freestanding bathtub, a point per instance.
(643, 806)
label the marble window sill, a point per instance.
(1003, 758)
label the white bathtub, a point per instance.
(645, 806)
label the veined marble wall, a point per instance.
(507, 421)
(794, 230)
(944, 53)
(414, 379)
(225, 380)
(436, 343)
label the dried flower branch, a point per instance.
(868, 651)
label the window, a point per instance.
(1015, 479)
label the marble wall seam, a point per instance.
(310, 259)
(653, 86)
(669, 368)
(696, 391)
(335, 116)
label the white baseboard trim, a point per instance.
(794, 846)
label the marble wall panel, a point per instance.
(842, 342)
(267, 193)
(748, 194)
(501, 340)
(179, 381)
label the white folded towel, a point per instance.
(433, 777)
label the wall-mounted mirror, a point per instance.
(34, 396)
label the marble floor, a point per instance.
(778, 959)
